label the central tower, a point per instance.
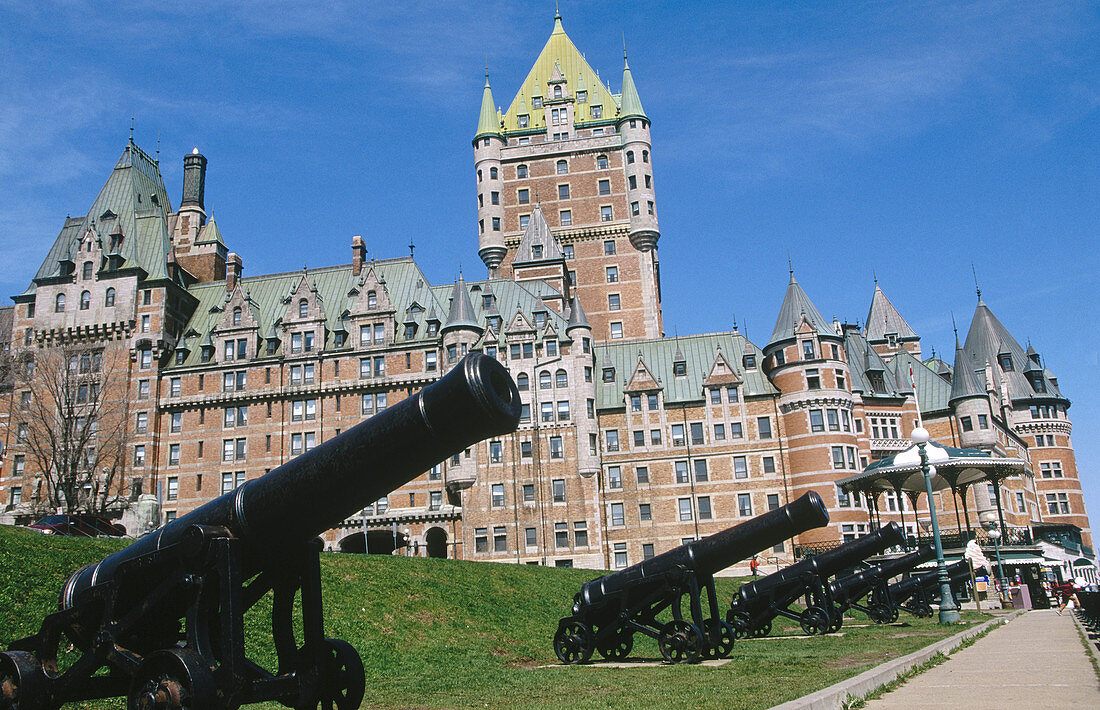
(570, 152)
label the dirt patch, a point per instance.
(853, 660)
(914, 633)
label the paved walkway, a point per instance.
(1036, 660)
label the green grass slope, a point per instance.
(449, 634)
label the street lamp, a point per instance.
(949, 612)
(989, 521)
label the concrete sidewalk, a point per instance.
(1036, 660)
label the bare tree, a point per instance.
(75, 425)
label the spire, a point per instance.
(796, 306)
(461, 314)
(884, 318)
(964, 380)
(577, 318)
(631, 106)
(538, 243)
(488, 122)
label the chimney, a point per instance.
(194, 180)
(358, 254)
(233, 268)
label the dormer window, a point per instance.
(807, 350)
(557, 91)
(680, 368)
(523, 120)
(582, 96)
(410, 331)
(597, 111)
(892, 339)
(237, 316)
(372, 300)
(540, 319)
(303, 308)
(487, 301)
(1006, 362)
(536, 102)
(86, 271)
(749, 361)
(536, 251)
(780, 357)
(609, 374)
(433, 329)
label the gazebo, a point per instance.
(953, 468)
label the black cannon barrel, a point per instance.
(827, 563)
(718, 551)
(856, 585)
(900, 591)
(319, 489)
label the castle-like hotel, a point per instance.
(630, 442)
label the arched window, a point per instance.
(479, 176)
(109, 299)
(237, 315)
(557, 91)
(645, 156)
(87, 269)
(85, 300)
(59, 303)
(303, 308)
(372, 300)
(629, 157)
(544, 380)
(492, 173)
(562, 167)
(521, 171)
(522, 382)
(562, 378)
(601, 162)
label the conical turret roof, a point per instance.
(989, 341)
(796, 306)
(883, 318)
(964, 381)
(488, 121)
(461, 314)
(577, 318)
(631, 104)
(537, 234)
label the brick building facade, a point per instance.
(630, 442)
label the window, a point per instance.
(644, 511)
(1051, 469)
(524, 196)
(547, 411)
(235, 449)
(768, 464)
(498, 495)
(813, 379)
(613, 302)
(749, 361)
(653, 402)
(604, 187)
(681, 468)
(523, 120)
(838, 456)
(173, 454)
(620, 555)
(817, 423)
(678, 435)
(20, 465)
(634, 209)
(528, 492)
(563, 192)
(557, 450)
(611, 437)
(834, 419)
(629, 157)
(703, 506)
(521, 170)
(565, 217)
(617, 517)
(494, 198)
(632, 181)
(496, 452)
(86, 301)
(696, 429)
(983, 421)
(967, 423)
(500, 539)
(561, 167)
(530, 537)
(740, 467)
(143, 389)
(719, 432)
(701, 474)
(174, 387)
(492, 173)
(481, 539)
(655, 437)
(616, 330)
(1057, 503)
(563, 410)
(496, 224)
(1005, 361)
(764, 427)
(642, 474)
(744, 505)
(1021, 506)
(597, 111)
(684, 505)
(142, 423)
(177, 422)
(639, 439)
(842, 498)
(612, 274)
(139, 455)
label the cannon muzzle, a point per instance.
(856, 585)
(321, 488)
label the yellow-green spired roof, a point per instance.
(579, 76)
(488, 122)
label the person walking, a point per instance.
(1069, 601)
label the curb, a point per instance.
(835, 696)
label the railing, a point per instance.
(815, 548)
(950, 538)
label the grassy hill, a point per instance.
(449, 634)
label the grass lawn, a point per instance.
(449, 634)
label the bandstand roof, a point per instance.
(951, 467)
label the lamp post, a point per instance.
(949, 612)
(995, 533)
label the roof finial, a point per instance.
(977, 288)
(874, 273)
(955, 328)
(557, 14)
(131, 127)
(411, 247)
(734, 322)
(790, 264)
(158, 147)
(624, 46)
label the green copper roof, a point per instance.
(964, 383)
(987, 341)
(631, 104)
(578, 75)
(883, 319)
(488, 121)
(933, 391)
(460, 314)
(210, 234)
(796, 305)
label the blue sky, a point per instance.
(908, 139)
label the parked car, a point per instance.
(78, 525)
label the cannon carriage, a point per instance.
(161, 622)
(917, 593)
(609, 611)
(873, 582)
(758, 603)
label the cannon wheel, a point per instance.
(22, 682)
(762, 630)
(680, 641)
(573, 643)
(739, 621)
(924, 611)
(619, 647)
(344, 681)
(837, 621)
(720, 637)
(173, 679)
(894, 614)
(879, 613)
(814, 620)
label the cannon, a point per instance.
(916, 593)
(161, 621)
(847, 592)
(608, 611)
(755, 605)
